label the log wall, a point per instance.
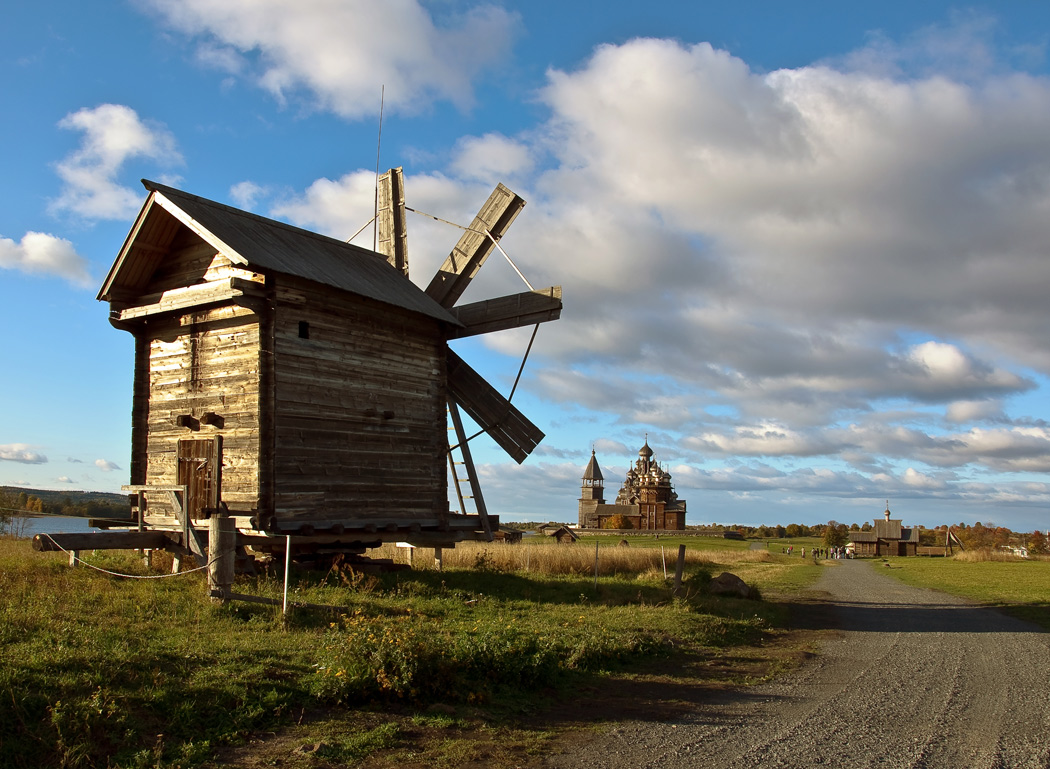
(359, 410)
(195, 363)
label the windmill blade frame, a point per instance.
(493, 413)
(474, 246)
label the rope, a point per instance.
(126, 576)
(484, 233)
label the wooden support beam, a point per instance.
(515, 311)
(392, 240)
(100, 540)
(187, 297)
(496, 415)
(474, 247)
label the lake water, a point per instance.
(53, 524)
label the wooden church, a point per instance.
(646, 501)
(300, 384)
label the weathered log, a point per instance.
(222, 546)
(100, 540)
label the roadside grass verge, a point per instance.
(1019, 586)
(97, 670)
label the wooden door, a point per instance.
(200, 471)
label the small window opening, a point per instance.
(304, 329)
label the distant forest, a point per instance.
(84, 504)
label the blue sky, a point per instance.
(803, 246)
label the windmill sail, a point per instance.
(496, 415)
(474, 247)
(515, 311)
(392, 237)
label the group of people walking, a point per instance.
(831, 553)
(823, 553)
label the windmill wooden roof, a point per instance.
(262, 245)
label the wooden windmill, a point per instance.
(301, 385)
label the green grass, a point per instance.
(101, 671)
(1020, 587)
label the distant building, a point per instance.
(646, 500)
(887, 537)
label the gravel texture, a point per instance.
(913, 678)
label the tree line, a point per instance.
(974, 537)
(15, 502)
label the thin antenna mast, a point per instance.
(379, 144)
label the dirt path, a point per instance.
(914, 678)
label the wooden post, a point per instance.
(678, 569)
(287, 567)
(222, 546)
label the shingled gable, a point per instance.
(261, 245)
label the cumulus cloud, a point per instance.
(342, 51)
(106, 465)
(831, 200)
(40, 253)
(246, 193)
(21, 452)
(491, 158)
(972, 411)
(112, 135)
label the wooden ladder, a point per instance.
(466, 463)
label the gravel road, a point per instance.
(914, 678)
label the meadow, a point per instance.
(1019, 586)
(99, 670)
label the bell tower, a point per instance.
(592, 494)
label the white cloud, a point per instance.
(343, 51)
(21, 452)
(761, 440)
(913, 478)
(801, 199)
(106, 465)
(113, 135)
(40, 253)
(491, 158)
(246, 193)
(972, 411)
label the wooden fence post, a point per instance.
(222, 546)
(678, 569)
